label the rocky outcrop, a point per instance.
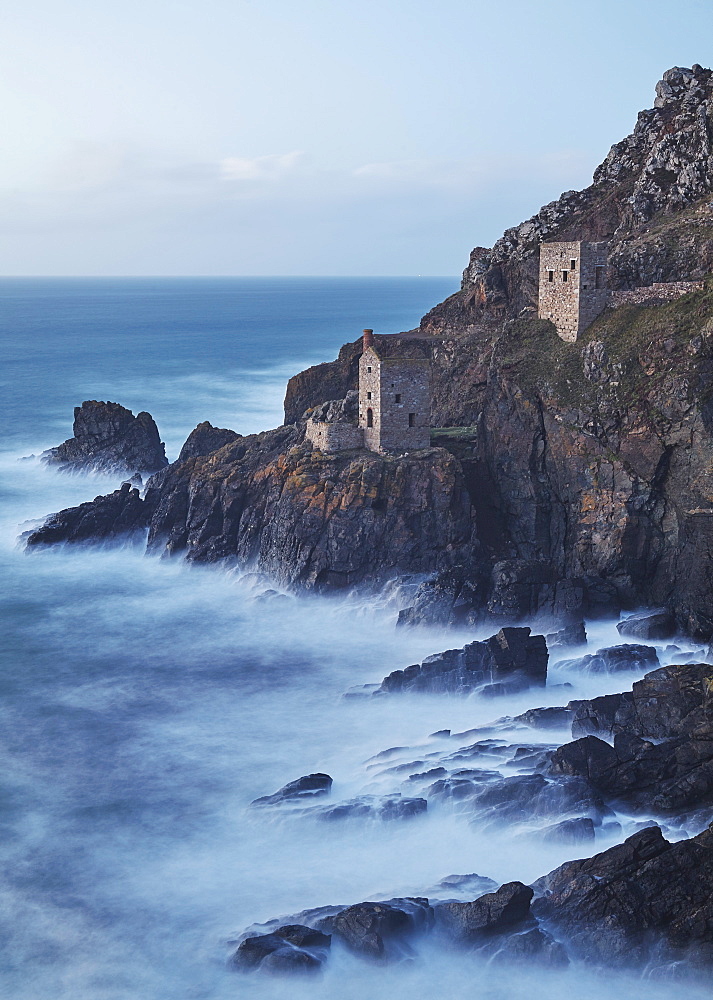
(118, 515)
(109, 438)
(659, 625)
(309, 786)
(644, 900)
(509, 661)
(205, 439)
(628, 656)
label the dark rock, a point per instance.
(660, 625)
(546, 718)
(472, 885)
(289, 948)
(666, 777)
(385, 807)
(670, 701)
(109, 438)
(381, 930)
(612, 658)
(490, 914)
(644, 898)
(307, 787)
(570, 831)
(513, 658)
(205, 439)
(571, 635)
(119, 514)
(532, 945)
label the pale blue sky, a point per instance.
(310, 136)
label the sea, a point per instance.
(145, 703)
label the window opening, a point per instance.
(573, 265)
(369, 369)
(599, 276)
(550, 275)
(370, 417)
(564, 275)
(412, 419)
(398, 397)
(368, 395)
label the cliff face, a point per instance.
(313, 519)
(648, 198)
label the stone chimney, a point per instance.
(368, 339)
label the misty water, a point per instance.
(145, 703)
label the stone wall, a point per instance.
(333, 436)
(370, 398)
(662, 291)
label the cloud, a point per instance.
(272, 167)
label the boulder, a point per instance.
(510, 660)
(492, 913)
(659, 625)
(309, 786)
(546, 718)
(109, 438)
(380, 930)
(289, 948)
(628, 656)
(574, 634)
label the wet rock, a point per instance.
(570, 831)
(659, 625)
(628, 656)
(119, 514)
(666, 777)
(644, 898)
(571, 635)
(385, 807)
(205, 439)
(309, 786)
(109, 438)
(492, 913)
(513, 658)
(546, 718)
(472, 885)
(289, 948)
(667, 702)
(532, 945)
(380, 930)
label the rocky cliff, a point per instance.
(588, 464)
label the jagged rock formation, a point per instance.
(117, 515)
(109, 438)
(204, 439)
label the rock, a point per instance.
(546, 718)
(644, 898)
(660, 625)
(612, 658)
(670, 701)
(380, 930)
(472, 885)
(309, 786)
(384, 807)
(289, 948)
(512, 657)
(571, 635)
(570, 831)
(109, 438)
(666, 777)
(120, 514)
(205, 439)
(492, 913)
(532, 945)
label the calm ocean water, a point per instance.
(143, 704)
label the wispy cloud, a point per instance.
(272, 167)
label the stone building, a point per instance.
(390, 413)
(572, 285)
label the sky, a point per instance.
(310, 137)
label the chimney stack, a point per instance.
(368, 339)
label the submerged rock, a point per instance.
(628, 656)
(109, 438)
(289, 948)
(309, 786)
(513, 659)
(380, 930)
